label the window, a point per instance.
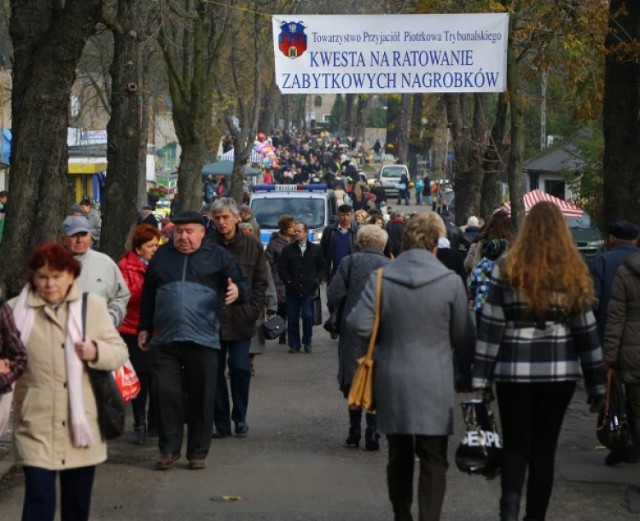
(555, 188)
(317, 101)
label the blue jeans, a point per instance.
(403, 195)
(40, 494)
(235, 355)
(297, 307)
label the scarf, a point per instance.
(24, 315)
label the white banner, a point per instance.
(390, 53)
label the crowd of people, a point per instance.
(519, 315)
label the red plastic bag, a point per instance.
(127, 381)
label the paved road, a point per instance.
(293, 465)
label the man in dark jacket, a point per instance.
(395, 229)
(338, 240)
(187, 283)
(301, 267)
(453, 231)
(621, 240)
(239, 322)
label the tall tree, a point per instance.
(126, 143)
(469, 142)
(48, 37)
(191, 35)
(240, 99)
(621, 110)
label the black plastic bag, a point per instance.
(612, 429)
(480, 449)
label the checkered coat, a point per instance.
(514, 346)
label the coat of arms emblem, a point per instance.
(292, 41)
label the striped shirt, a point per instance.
(515, 346)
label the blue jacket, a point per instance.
(603, 270)
(183, 295)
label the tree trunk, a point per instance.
(146, 113)
(514, 167)
(267, 121)
(350, 114)
(47, 41)
(363, 109)
(190, 177)
(465, 113)
(404, 117)
(123, 130)
(493, 160)
(621, 190)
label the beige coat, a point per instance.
(42, 430)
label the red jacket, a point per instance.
(133, 273)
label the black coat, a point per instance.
(301, 274)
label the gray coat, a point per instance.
(424, 317)
(348, 283)
(622, 333)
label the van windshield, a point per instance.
(584, 221)
(309, 211)
(393, 171)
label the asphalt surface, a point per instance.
(293, 464)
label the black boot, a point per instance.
(371, 436)
(509, 506)
(355, 417)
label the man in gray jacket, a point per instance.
(99, 275)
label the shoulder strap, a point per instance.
(376, 321)
(84, 314)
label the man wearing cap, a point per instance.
(238, 323)
(99, 274)
(621, 242)
(246, 214)
(189, 284)
(338, 240)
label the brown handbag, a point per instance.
(361, 392)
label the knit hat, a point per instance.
(245, 208)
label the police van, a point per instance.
(312, 204)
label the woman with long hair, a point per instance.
(536, 332)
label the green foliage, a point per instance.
(587, 188)
(377, 117)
